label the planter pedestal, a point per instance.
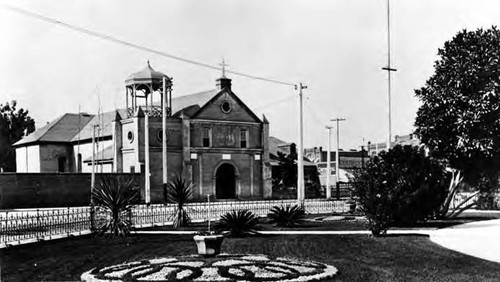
(208, 245)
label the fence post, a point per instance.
(68, 223)
(92, 218)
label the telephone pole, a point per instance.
(164, 134)
(337, 151)
(300, 150)
(389, 70)
(147, 173)
(92, 178)
(328, 163)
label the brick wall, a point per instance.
(37, 190)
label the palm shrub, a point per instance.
(286, 216)
(239, 223)
(180, 192)
(114, 197)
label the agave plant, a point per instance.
(114, 197)
(286, 216)
(180, 192)
(239, 223)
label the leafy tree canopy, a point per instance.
(14, 124)
(459, 119)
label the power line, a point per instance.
(313, 114)
(276, 102)
(136, 46)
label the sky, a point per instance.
(335, 47)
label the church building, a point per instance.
(212, 139)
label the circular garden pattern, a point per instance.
(224, 267)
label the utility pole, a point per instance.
(300, 150)
(92, 176)
(147, 184)
(92, 179)
(337, 151)
(328, 163)
(389, 70)
(164, 134)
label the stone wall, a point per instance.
(38, 190)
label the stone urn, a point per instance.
(208, 245)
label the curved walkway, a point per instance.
(480, 239)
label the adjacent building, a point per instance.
(409, 139)
(348, 161)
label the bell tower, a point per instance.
(148, 96)
(140, 89)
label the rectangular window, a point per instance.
(243, 138)
(206, 137)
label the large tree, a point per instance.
(459, 119)
(14, 124)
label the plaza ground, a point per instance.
(397, 257)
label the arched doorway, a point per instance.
(225, 182)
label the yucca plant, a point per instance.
(114, 197)
(445, 211)
(239, 223)
(286, 216)
(180, 192)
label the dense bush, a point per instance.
(286, 216)
(114, 197)
(401, 186)
(239, 223)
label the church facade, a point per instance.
(212, 139)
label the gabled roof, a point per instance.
(62, 129)
(70, 127)
(182, 102)
(104, 120)
(234, 96)
(276, 145)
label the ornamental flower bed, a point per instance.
(225, 267)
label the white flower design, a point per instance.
(222, 268)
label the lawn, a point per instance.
(325, 223)
(358, 257)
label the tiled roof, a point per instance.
(102, 155)
(62, 129)
(75, 127)
(104, 120)
(183, 102)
